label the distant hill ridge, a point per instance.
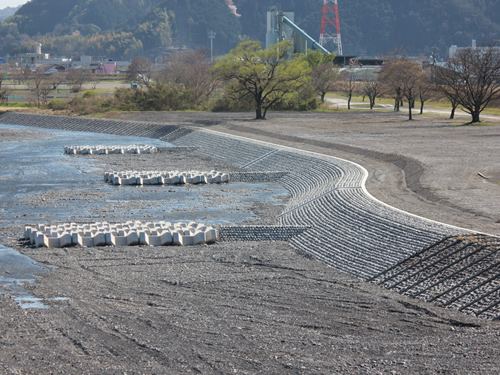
(7, 12)
(128, 28)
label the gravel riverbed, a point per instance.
(261, 306)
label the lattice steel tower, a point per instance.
(330, 27)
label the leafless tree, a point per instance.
(77, 77)
(403, 76)
(324, 77)
(471, 79)
(425, 88)
(142, 70)
(56, 79)
(94, 80)
(4, 95)
(26, 73)
(3, 73)
(194, 71)
(347, 84)
(40, 86)
(371, 87)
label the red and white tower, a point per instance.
(330, 27)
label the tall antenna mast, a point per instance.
(330, 27)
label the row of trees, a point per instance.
(251, 77)
(40, 84)
(261, 79)
(470, 80)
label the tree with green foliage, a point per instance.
(324, 74)
(317, 58)
(265, 75)
(324, 77)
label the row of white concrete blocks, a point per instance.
(105, 150)
(165, 178)
(130, 233)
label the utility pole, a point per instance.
(211, 35)
(330, 27)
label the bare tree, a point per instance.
(3, 72)
(403, 76)
(4, 95)
(371, 87)
(77, 77)
(40, 86)
(347, 84)
(324, 77)
(471, 79)
(94, 80)
(425, 88)
(194, 71)
(56, 79)
(142, 70)
(446, 87)
(26, 73)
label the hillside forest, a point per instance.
(124, 29)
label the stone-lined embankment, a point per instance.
(347, 228)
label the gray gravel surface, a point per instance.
(262, 307)
(429, 166)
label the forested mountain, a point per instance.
(123, 29)
(7, 12)
(375, 27)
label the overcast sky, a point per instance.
(11, 3)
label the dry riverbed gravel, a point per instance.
(261, 307)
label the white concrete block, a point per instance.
(53, 242)
(155, 240)
(87, 242)
(121, 241)
(199, 238)
(65, 240)
(211, 236)
(187, 239)
(144, 239)
(166, 239)
(76, 239)
(133, 239)
(99, 239)
(110, 239)
(177, 239)
(27, 232)
(41, 240)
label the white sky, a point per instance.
(11, 3)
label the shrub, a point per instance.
(58, 104)
(89, 94)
